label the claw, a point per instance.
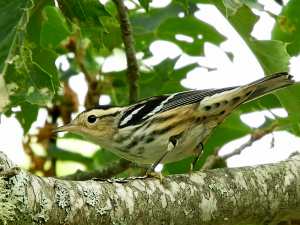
(150, 174)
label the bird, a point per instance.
(171, 127)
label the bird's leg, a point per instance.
(171, 145)
(198, 152)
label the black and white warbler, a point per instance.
(171, 127)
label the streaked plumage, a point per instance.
(143, 131)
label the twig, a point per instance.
(256, 135)
(132, 70)
(106, 172)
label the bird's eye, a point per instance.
(92, 119)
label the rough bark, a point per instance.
(251, 195)
(129, 47)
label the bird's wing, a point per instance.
(151, 106)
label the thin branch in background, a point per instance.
(256, 135)
(132, 70)
(106, 172)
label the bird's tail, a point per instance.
(270, 84)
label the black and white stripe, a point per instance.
(145, 109)
(149, 107)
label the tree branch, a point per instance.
(132, 70)
(251, 195)
(256, 135)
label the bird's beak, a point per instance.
(67, 128)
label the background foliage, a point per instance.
(34, 33)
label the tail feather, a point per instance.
(270, 84)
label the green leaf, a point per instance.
(287, 28)
(55, 28)
(28, 83)
(266, 102)
(65, 155)
(27, 115)
(165, 25)
(290, 99)
(113, 37)
(143, 24)
(13, 19)
(204, 33)
(42, 57)
(271, 55)
(103, 156)
(232, 6)
(145, 27)
(145, 4)
(163, 79)
(86, 14)
(71, 135)
(184, 3)
(254, 4)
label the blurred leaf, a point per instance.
(109, 156)
(27, 115)
(232, 6)
(198, 31)
(254, 4)
(287, 28)
(145, 4)
(28, 83)
(163, 79)
(285, 124)
(184, 3)
(279, 2)
(145, 27)
(42, 57)
(178, 167)
(13, 20)
(290, 99)
(271, 55)
(113, 37)
(87, 15)
(90, 61)
(55, 28)
(166, 24)
(71, 71)
(71, 135)
(65, 155)
(266, 102)
(99, 158)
